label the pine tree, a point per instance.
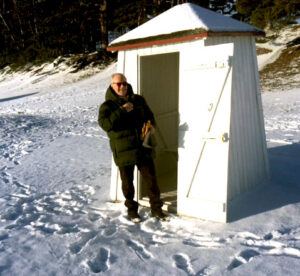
(246, 7)
(264, 13)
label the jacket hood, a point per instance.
(113, 96)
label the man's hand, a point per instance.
(127, 106)
(147, 127)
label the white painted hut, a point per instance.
(198, 71)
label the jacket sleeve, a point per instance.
(109, 117)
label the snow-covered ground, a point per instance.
(277, 45)
(56, 217)
(279, 59)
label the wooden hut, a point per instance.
(198, 71)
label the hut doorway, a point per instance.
(159, 84)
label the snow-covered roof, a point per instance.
(181, 20)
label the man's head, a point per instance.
(119, 84)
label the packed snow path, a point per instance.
(56, 218)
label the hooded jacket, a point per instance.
(124, 128)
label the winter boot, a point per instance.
(134, 216)
(160, 215)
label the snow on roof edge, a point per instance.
(178, 37)
(186, 17)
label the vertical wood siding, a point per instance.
(247, 153)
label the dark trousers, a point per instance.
(147, 170)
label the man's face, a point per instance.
(119, 85)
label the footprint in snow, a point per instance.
(277, 234)
(139, 249)
(110, 230)
(93, 216)
(274, 248)
(12, 213)
(5, 265)
(76, 247)
(243, 258)
(183, 262)
(206, 242)
(45, 212)
(24, 189)
(5, 176)
(101, 262)
(3, 235)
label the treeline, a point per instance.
(42, 29)
(268, 13)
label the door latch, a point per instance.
(212, 136)
(225, 137)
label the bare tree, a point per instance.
(17, 16)
(103, 24)
(7, 27)
(141, 12)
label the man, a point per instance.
(122, 116)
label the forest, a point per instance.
(33, 30)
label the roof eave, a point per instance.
(177, 37)
(145, 43)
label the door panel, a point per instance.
(159, 80)
(205, 108)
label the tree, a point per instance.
(246, 7)
(223, 6)
(32, 29)
(103, 24)
(264, 13)
(202, 3)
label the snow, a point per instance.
(185, 17)
(56, 216)
(276, 46)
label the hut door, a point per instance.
(158, 83)
(205, 110)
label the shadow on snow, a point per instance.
(16, 97)
(284, 187)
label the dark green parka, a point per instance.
(124, 128)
